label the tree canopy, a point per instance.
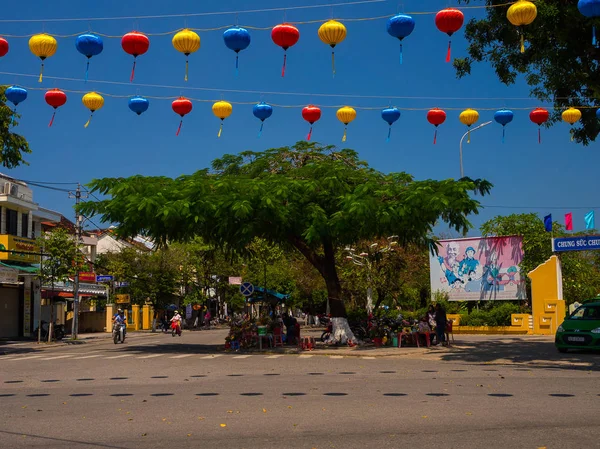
(560, 64)
(313, 198)
(12, 145)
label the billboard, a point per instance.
(478, 268)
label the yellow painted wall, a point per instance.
(547, 303)
(110, 312)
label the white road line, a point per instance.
(241, 356)
(273, 357)
(119, 356)
(182, 356)
(336, 356)
(305, 356)
(12, 359)
(150, 356)
(214, 356)
(88, 357)
(369, 358)
(57, 357)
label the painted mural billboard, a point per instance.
(475, 269)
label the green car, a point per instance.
(581, 330)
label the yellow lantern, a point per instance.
(186, 41)
(469, 117)
(571, 116)
(93, 101)
(43, 46)
(520, 14)
(345, 115)
(332, 33)
(222, 110)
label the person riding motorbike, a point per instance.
(119, 320)
(176, 323)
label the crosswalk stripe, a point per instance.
(56, 357)
(150, 356)
(241, 356)
(182, 356)
(213, 356)
(273, 356)
(305, 356)
(119, 356)
(88, 357)
(336, 356)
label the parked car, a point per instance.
(581, 330)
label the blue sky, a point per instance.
(557, 174)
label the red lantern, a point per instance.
(436, 117)
(55, 98)
(449, 21)
(135, 44)
(3, 46)
(311, 114)
(181, 106)
(539, 116)
(286, 36)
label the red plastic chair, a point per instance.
(277, 337)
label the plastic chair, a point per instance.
(277, 337)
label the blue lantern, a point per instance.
(504, 117)
(236, 39)
(138, 104)
(89, 45)
(15, 95)
(591, 10)
(262, 111)
(598, 114)
(390, 115)
(400, 26)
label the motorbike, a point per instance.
(175, 329)
(118, 333)
(58, 331)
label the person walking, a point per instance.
(440, 324)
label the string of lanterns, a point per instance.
(285, 35)
(310, 113)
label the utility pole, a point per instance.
(78, 230)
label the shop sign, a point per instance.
(122, 299)
(8, 276)
(11, 245)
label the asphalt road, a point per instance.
(156, 391)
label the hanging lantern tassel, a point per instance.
(41, 72)
(594, 41)
(89, 120)
(522, 39)
(449, 54)
(284, 61)
(309, 134)
(389, 134)
(345, 133)
(539, 135)
(237, 63)
(187, 66)
(220, 129)
(52, 119)
(435, 136)
(261, 128)
(179, 129)
(503, 132)
(401, 56)
(333, 62)
(133, 69)
(469, 135)
(572, 134)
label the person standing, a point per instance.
(440, 324)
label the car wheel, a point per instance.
(563, 350)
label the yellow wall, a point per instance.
(547, 303)
(12, 243)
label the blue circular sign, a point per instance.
(247, 289)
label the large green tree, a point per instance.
(310, 197)
(560, 64)
(12, 145)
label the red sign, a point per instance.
(87, 277)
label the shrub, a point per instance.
(499, 315)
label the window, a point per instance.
(586, 313)
(25, 225)
(11, 221)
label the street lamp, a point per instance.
(462, 174)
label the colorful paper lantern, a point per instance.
(237, 39)
(469, 117)
(285, 35)
(43, 46)
(181, 106)
(3, 47)
(55, 98)
(449, 21)
(345, 114)
(138, 104)
(390, 115)
(332, 33)
(93, 101)
(15, 95)
(591, 10)
(89, 45)
(400, 26)
(436, 117)
(187, 42)
(520, 14)
(571, 116)
(311, 114)
(504, 117)
(135, 44)
(539, 116)
(222, 110)
(262, 111)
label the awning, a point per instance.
(69, 295)
(25, 268)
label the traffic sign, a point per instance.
(247, 289)
(121, 284)
(104, 278)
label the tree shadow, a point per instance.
(532, 354)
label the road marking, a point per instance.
(306, 356)
(119, 356)
(88, 357)
(182, 356)
(336, 356)
(23, 358)
(150, 356)
(241, 356)
(57, 357)
(214, 356)
(369, 358)
(273, 357)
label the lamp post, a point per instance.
(462, 174)
(367, 259)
